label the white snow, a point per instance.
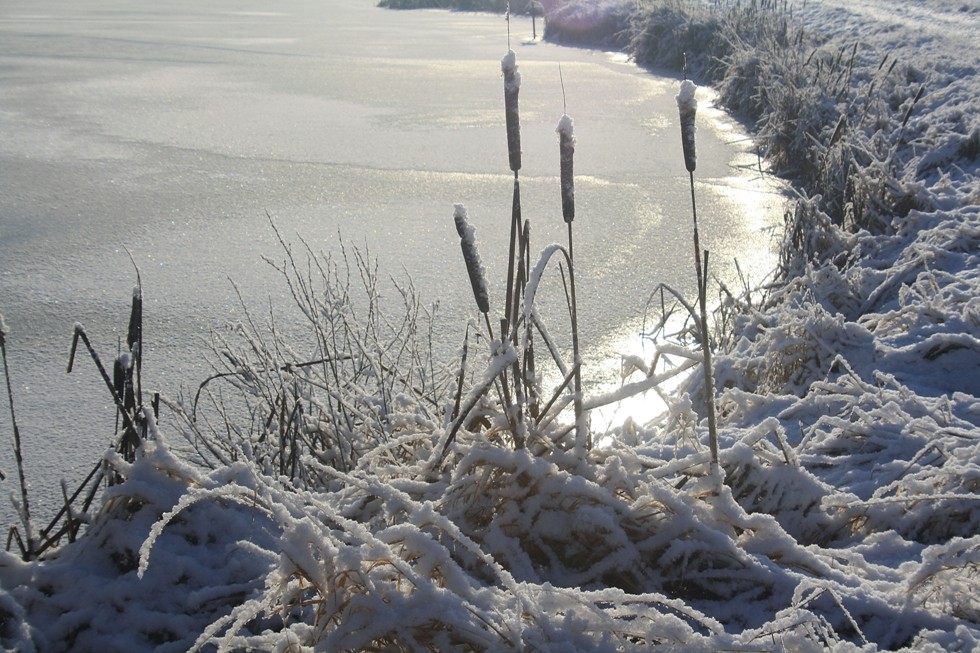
(686, 100)
(565, 126)
(508, 66)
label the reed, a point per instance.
(28, 549)
(125, 385)
(514, 369)
(566, 155)
(349, 381)
(687, 105)
(133, 419)
(512, 117)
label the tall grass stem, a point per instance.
(18, 451)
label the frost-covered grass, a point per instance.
(300, 506)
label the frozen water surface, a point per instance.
(172, 130)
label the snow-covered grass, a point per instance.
(299, 507)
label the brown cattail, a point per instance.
(512, 86)
(471, 256)
(688, 106)
(566, 148)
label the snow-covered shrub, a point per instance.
(376, 564)
(588, 22)
(810, 238)
(716, 42)
(351, 382)
(548, 524)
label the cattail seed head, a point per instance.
(512, 86)
(566, 150)
(135, 331)
(471, 256)
(688, 106)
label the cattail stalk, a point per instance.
(512, 86)
(512, 115)
(566, 152)
(687, 104)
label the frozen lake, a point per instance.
(172, 130)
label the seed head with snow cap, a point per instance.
(688, 106)
(566, 151)
(512, 86)
(471, 256)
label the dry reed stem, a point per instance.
(687, 107)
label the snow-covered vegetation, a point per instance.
(498, 6)
(345, 491)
